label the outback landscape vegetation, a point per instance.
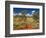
(23, 20)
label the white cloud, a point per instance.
(19, 14)
(33, 11)
(28, 15)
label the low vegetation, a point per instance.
(25, 22)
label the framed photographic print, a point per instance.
(24, 18)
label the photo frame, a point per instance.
(24, 18)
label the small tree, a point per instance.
(24, 12)
(36, 16)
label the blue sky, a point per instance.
(29, 10)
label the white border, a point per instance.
(24, 31)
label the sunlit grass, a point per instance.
(29, 23)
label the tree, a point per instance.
(24, 12)
(36, 16)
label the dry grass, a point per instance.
(29, 23)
